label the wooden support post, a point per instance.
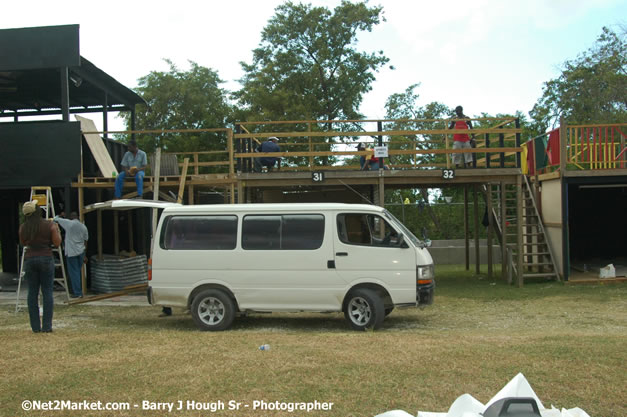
(229, 144)
(81, 216)
(446, 144)
(563, 146)
(311, 159)
(241, 198)
(179, 198)
(490, 226)
(99, 225)
(519, 227)
(476, 216)
(232, 193)
(504, 264)
(466, 229)
(381, 192)
(155, 196)
(196, 163)
(190, 195)
(116, 233)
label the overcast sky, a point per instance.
(488, 55)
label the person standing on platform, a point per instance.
(38, 236)
(462, 140)
(133, 164)
(76, 237)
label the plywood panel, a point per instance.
(97, 147)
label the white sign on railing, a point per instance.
(380, 151)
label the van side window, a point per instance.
(283, 232)
(199, 233)
(366, 230)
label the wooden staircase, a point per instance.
(538, 261)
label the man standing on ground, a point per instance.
(133, 165)
(268, 146)
(461, 140)
(76, 237)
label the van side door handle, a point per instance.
(341, 253)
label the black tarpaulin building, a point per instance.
(43, 74)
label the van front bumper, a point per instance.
(425, 293)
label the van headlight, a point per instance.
(425, 274)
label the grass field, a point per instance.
(569, 342)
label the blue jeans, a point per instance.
(119, 183)
(74, 264)
(39, 273)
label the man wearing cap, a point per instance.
(76, 237)
(38, 235)
(133, 165)
(268, 146)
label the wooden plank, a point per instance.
(466, 230)
(519, 227)
(155, 194)
(490, 228)
(97, 147)
(353, 153)
(182, 183)
(476, 218)
(125, 291)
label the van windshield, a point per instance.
(409, 235)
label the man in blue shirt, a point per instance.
(133, 165)
(76, 237)
(269, 146)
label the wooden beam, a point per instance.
(155, 197)
(99, 226)
(182, 183)
(126, 290)
(476, 216)
(519, 227)
(490, 226)
(466, 230)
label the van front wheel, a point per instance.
(213, 310)
(364, 309)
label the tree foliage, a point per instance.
(591, 88)
(307, 66)
(181, 100)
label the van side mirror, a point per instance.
(401, 241)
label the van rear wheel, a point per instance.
(364, 309)
(213, 310)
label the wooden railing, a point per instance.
(411, 143)
(597, 146)
(587, 147)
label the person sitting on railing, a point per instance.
(269, 162)
(133, 165)
(461, 140)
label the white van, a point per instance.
(220, 260)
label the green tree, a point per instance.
(591, 88)
(182, 100)
(307, 66)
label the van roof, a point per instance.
(270, 207)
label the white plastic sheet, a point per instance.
(467, 406)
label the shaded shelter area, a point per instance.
(597, 223)
(42, 74)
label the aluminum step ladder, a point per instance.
(43, 196)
